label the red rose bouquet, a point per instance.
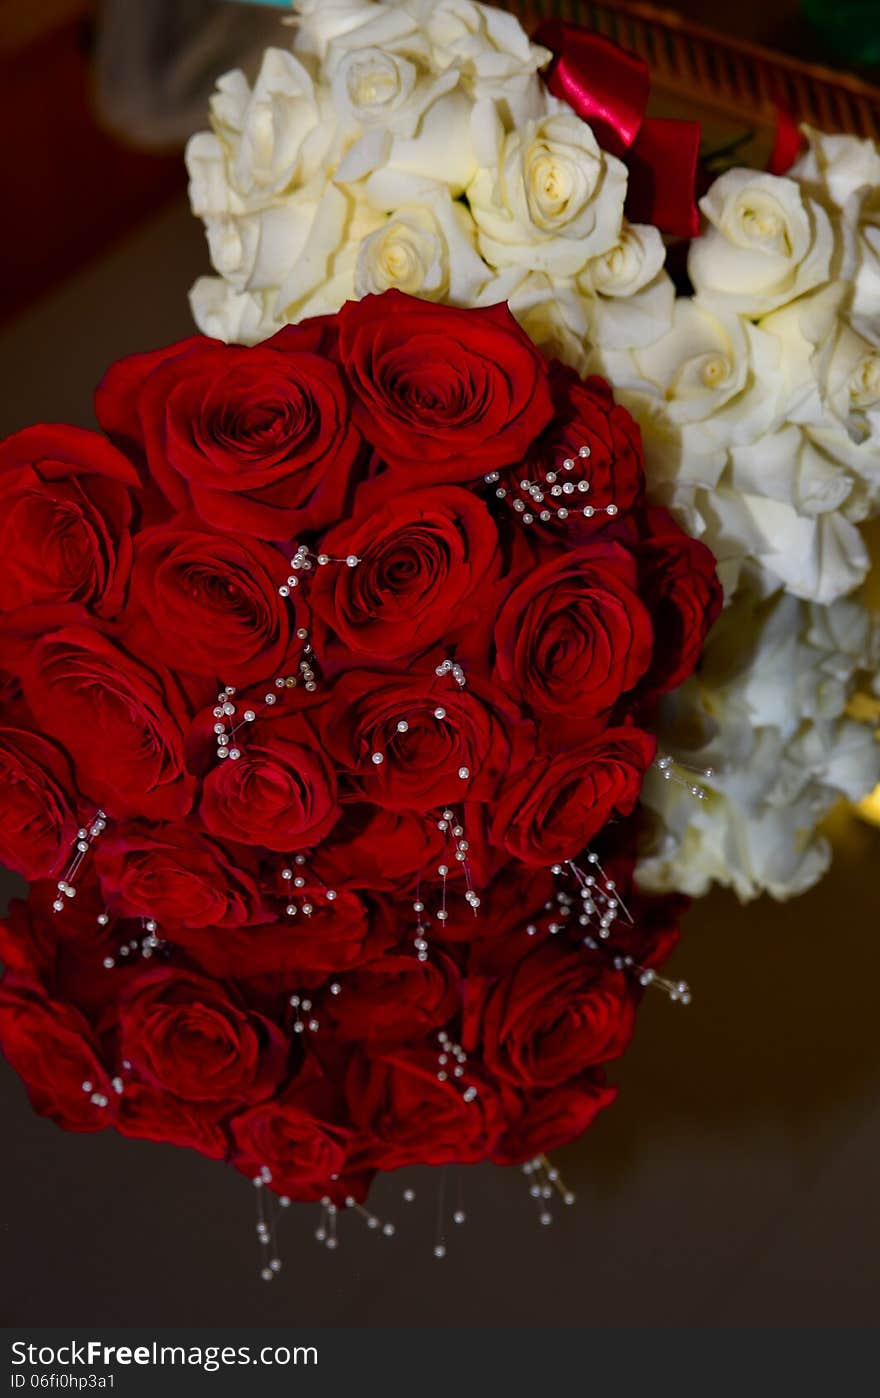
(328, 685)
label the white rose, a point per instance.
(425, 247)
(632, 297)
(381, 74)
(441, 148)
(546, 197)
(768, 715)
(275, 136)
(209, 188)
(321, 276)
(319, 22)
(241, 318)
(866, 287)
(713, 373)
(799, 329)
(837, 167)
(819, 557)
(491, 50)
(861, 460)
(255, 251)
(849, 377)
(766, 244)
(554, 314)
(789, 466)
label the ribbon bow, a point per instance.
(608, 87)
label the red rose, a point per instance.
(548, 1119)
(208, 604)
(412, 1117)
(178, 878)
(281, 792)
(442, 394)
(428, 559)
(303, 1142)
(121, 722)
(678, 574)
(556, 807)
(151, 1114)
(38, 823)
(572, 638)
(65, 511)
(378, 849)
(590, 489)
(450, 745)
(331, 937)
(183, 1034)
(51, 1047)
(556, 1014)
(258, 440)
(66, 952)
(395, 999)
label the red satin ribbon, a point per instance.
(787, 143)
(608, 87)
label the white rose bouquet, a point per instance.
(415, 144)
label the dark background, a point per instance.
(733, 1184)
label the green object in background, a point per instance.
(851, 28)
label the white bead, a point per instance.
(323, 559)
(464, 773)
(378, 759)
(249, 715)
(439, 1250)
(403, 726)
(440, 712)
(611, 509)
(352, 560)
(568, 464)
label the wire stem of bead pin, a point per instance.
(267, 1224)
(305, 560)
(85, 838)
(599, 902)
(453, 827)
(552, 495)
(545, 1180)
(147, 944)
(680, 773)
(294, 877)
